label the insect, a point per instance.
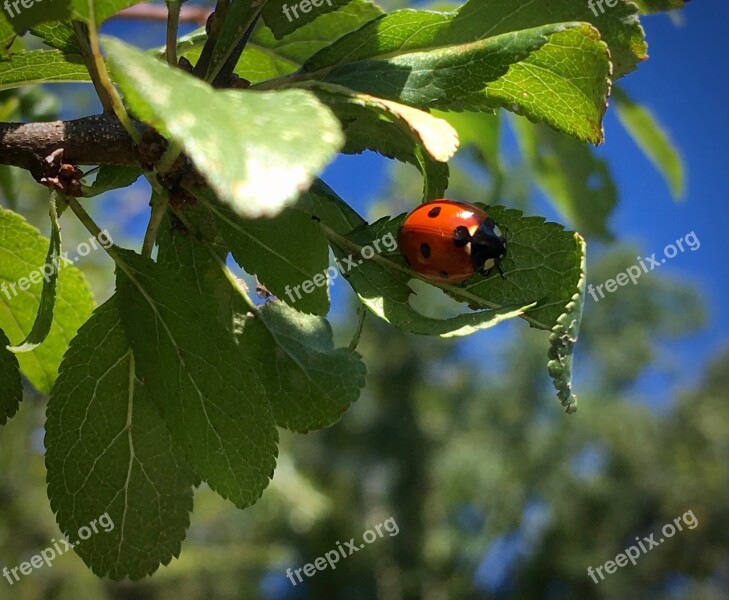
(448, 242)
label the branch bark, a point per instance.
(154, 12)
(95, 140)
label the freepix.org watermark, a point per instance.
(11, 290)
(47, 556)
(610, 4)
(634, 272)
(633, 553)
(331, 273)
(13, 8)
(331, 558)
(304, 6)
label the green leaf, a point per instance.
(435, 135)
(563, 339)
(58, 35)
(266, 57)
(619, 26)
(652, 139)
(543, 264)
(111, 177)
(394, 34)
(385, 290)
(188, 257)
(284, 17)
(22, 17)
(41, 66)
(565, 84)
(578, 183)
(258, 170)
(110, 453)
(284, 252)
(406, 31)
(11, 386)
(440, 77)
(395, 131)
(309, 382)
(22, 255)
(205, 386)
(89, 11)
(44, 318)
(7, 35)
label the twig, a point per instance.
(221, 73)
(116, 101)
(82, 34)
(160, 200)
(173, 22)
(361, 317)
(213, 27)
(154, 12)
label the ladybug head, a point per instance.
(488, 247)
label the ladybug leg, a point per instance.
(486, 272)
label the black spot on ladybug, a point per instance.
(443, 274)
(434, 212)
(461, 236)
(425, 250)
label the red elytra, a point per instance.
(447, 241)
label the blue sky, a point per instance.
(684, 84)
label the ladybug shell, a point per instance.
(436, 241)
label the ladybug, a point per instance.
(448, 242)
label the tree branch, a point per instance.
(154, 12)
(95, 140)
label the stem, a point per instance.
(82, 34)
(222, 71)
(105, 82)
(215, 24)
(362, 314)
(83, 216)
(168, 159)
(292, 78)
(111, 250)
(159, 210)
(94, 230)
(173, 23)
(393, 266)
